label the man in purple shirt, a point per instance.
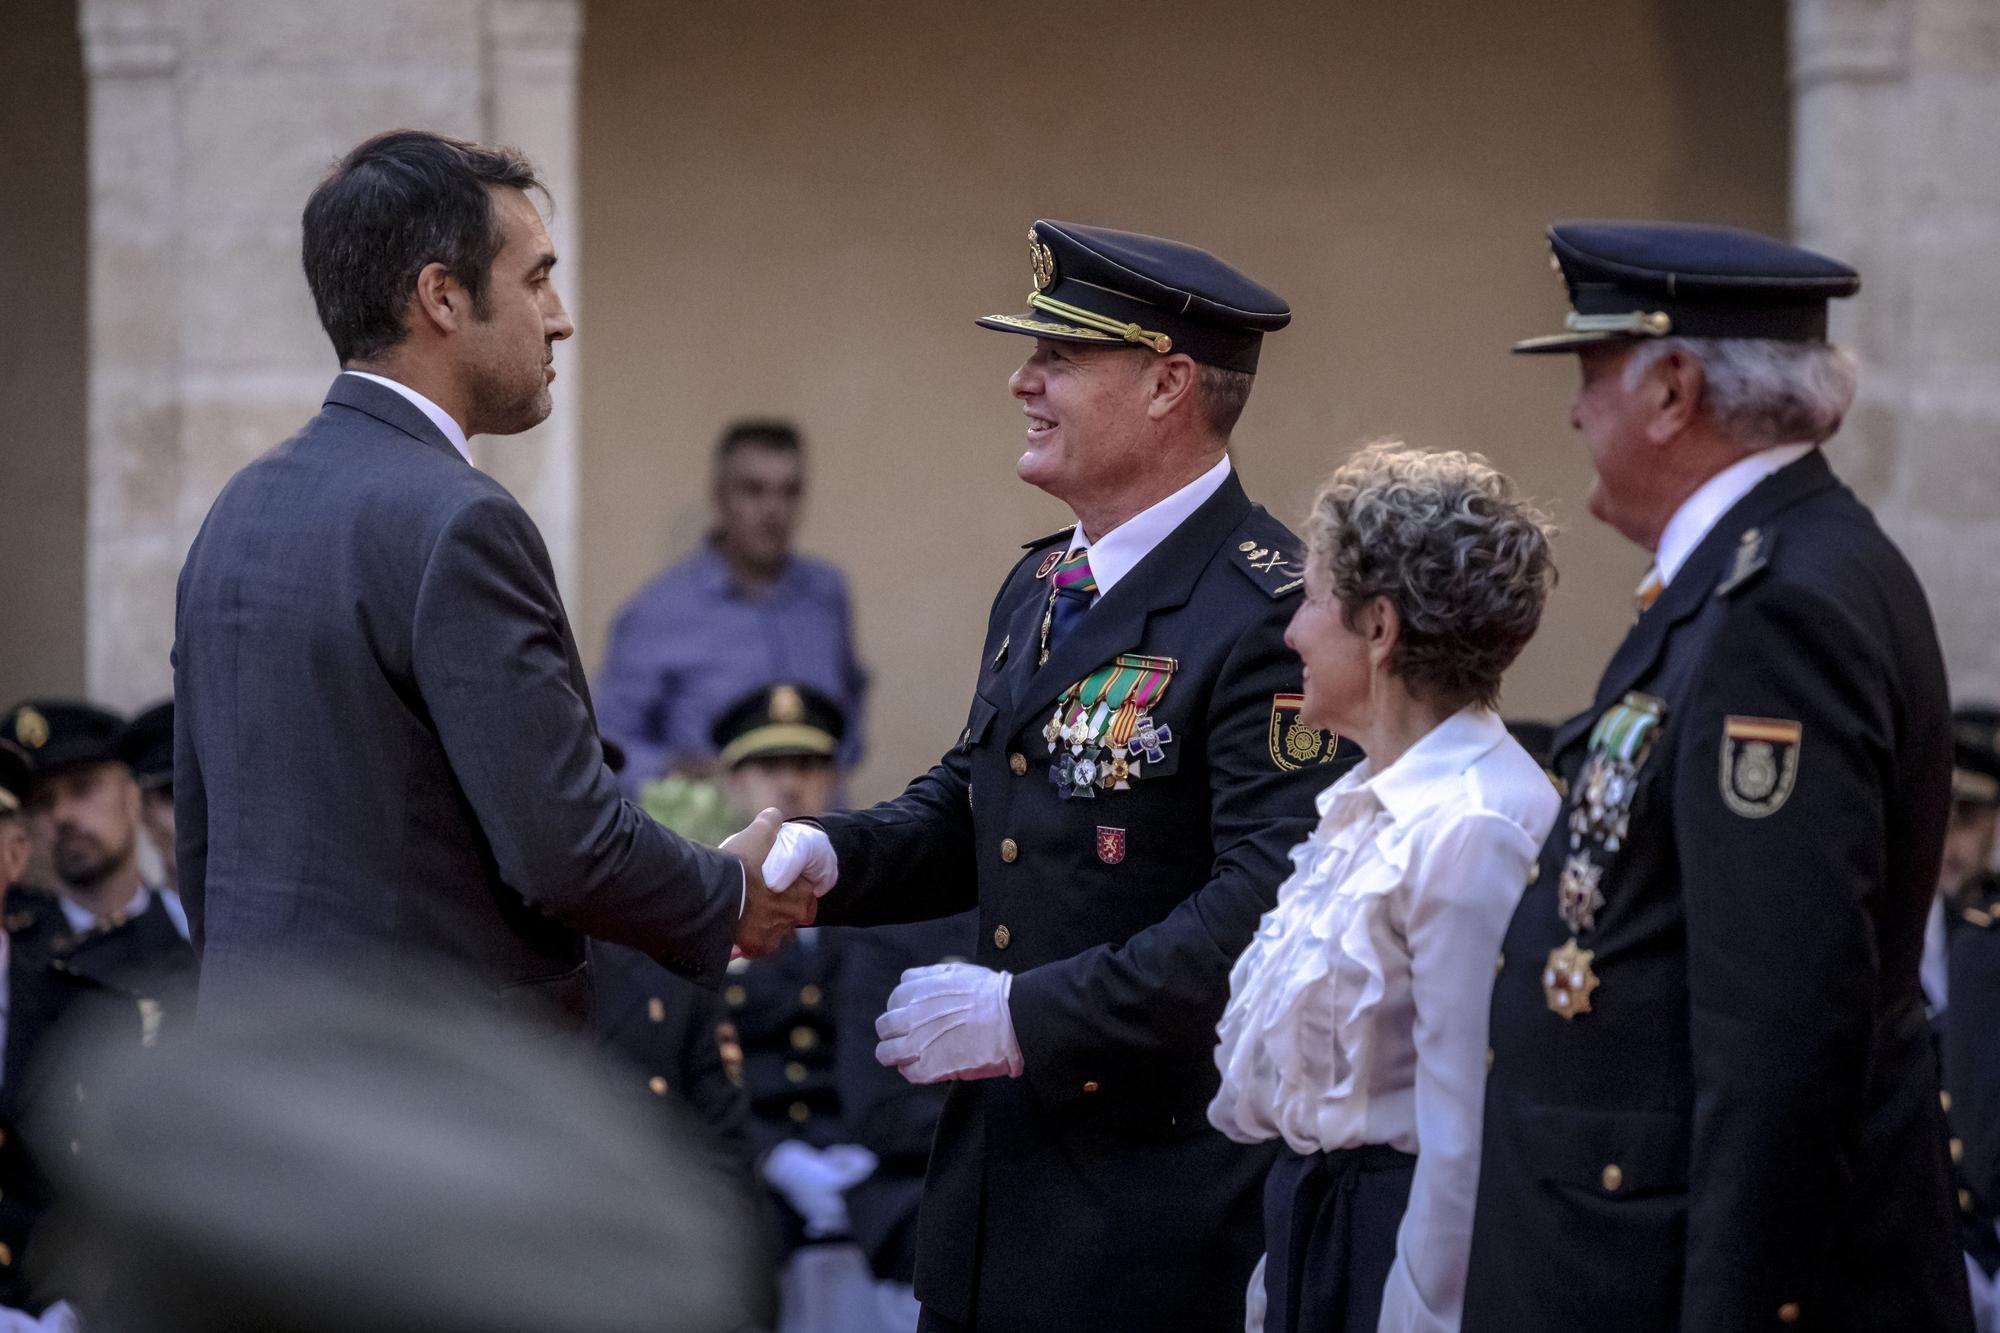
(741, 611)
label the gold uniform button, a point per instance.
(810, 995)
(1090, 1086)
(1009, 849)
(656, 1009)
(658, 1085)
(1500, 963)
(1964, 1201)
(735, 996)
(1957, 1151)
(1613, 1178)
(1002, 937)
(6, 1257)
(1018, 762)
(798, 1112)
(794, 1072)
(1489, 1059)
(1944, 1099)
(1788, 1313)
(804, 1039)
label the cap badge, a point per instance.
(31, 729)
(786, 706)
(1044, 262)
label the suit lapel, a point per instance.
(1696, 580)
(1117, 622)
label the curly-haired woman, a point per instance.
(1356, 1026)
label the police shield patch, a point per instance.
(1295, 745)
(1760, 763)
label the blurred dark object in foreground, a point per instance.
(331, 1161)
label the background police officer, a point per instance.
(1129, 779)
(1712, 1102)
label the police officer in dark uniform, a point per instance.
(1712, 1101)
(1962, 947)
(82, 970)
(1119, 806)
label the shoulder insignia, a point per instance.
(1278, 569)
(1753, 553)
(1294, 745)
(1760, 764)
(1976, 917)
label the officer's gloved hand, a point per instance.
(950, 1021)
(812, 1181)
(802, 851)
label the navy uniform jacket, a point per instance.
(1972, 1076)
(384, 757)
(130, 986)
(661, 1033)
(888, 1115)
(1743, 1130)
(1091, 1192)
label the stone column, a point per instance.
(132, 58)
(532, 50)
(210, 122)
(1896, 169)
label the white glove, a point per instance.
(813, 1179)
(801, 850)
(950, 1021)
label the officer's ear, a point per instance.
(1673, 385)
(1171, 385)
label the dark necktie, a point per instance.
(1074, 590)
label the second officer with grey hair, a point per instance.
(1713, 1101)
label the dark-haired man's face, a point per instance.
(88, 818)
(757, 498)
(507, 357)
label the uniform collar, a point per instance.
(1410, 785)
(1113, 555)
(1712, 499)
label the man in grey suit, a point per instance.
(385, 757)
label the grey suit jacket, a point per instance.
(385, 758)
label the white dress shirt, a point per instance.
(1113, 555)
(1358, 1013)
(82, 920)
(1712, 499)
(438, 416)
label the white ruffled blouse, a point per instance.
(1358, 1013)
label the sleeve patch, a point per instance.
(1294, 745)
(1760, 764)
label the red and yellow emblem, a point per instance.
(1110, 845)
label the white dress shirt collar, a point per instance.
(1409, 786)
(1113, 555)
(1712, 499)
(439, 417)
(82, 920)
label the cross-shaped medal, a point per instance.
(1150, 739)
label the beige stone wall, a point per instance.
(798, 208)
(210, 121)
(1898, 170)
(42, 480)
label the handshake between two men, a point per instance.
(947, 1021)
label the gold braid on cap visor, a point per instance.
(1090, 319)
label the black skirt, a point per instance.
(1330, 1224)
